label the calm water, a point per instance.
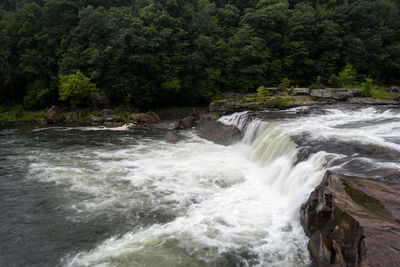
(89, 197)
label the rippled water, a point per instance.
(84, 197)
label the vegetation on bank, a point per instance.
(148, 53)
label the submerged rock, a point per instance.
(353, 221)
(8, 132)
(54, 115)
(173, 137)
(219, 133)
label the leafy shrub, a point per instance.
(285, 84)
(75, 87)
(347, 76)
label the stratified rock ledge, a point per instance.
(354, 221)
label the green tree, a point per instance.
(348, 76)
(75, 87)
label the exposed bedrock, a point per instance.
(354, 221)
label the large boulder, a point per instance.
(219, 133)
(54, 115)
(147, 118)
(173, 137)
(99, 100)
(112, 122)
(354, 221)
(336, 93)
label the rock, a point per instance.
(113, 119)
(371, 101)
(338, 94)
(272, 90)
(147, 118)
(353, 221)
(99, 100)
(394, 89)
(8, 132)
(186, 123)
(110, 124)
(219, 133)
(300, 91)
(53, 115)
(173, 137)
(303, 154)
(74, 115)
(107, 112)
(204, 118)
(94, 118)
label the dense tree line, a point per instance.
(176, 52)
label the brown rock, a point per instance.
(147, 118)
(53, 115)
(112, 124)
(173, 137)
(219, 133)
(353, 221)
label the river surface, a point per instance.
(90, 197)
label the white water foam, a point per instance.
(230, 205)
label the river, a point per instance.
(91, 197)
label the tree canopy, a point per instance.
(182, 52)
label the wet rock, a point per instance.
(371, 101)
(8, 132)
(54, 115)
(173, 137)
(107, 112)
(219, 133)
(99, 100)
(147, 118)
(303, 154)
(394, 89)
(337, 94)
(300, 91)
(112, 122)
(353, 221)
(186, 123)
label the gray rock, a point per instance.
(353, 221)
(219, 133)
(8, 132)
(337, 94)
(99, 100)
(111, 124)
(300, 91)
(394, 89)
(173, 137)
(53, 115)
(371, 101)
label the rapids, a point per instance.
(84, 197)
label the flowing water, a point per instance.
(90, 197)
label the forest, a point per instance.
(152, 53)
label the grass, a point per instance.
(18, 114)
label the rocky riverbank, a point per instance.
(274, 98)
